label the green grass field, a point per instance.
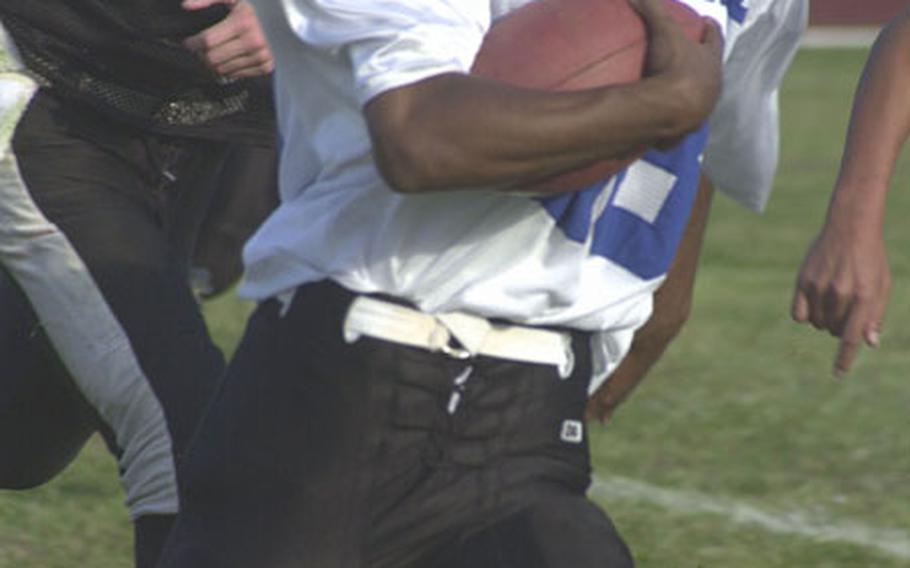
(740, 451)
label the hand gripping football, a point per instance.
(568, 45)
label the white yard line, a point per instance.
(796, 523)
(840, 37)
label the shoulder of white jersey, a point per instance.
(735, 16)
(785, 13)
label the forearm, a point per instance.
(879, 125)
(845, 280)
(462, 131)
(457, 130)
(648, 346)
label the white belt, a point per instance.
(477, 336)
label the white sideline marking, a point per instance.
(891, 541)
(826, 37)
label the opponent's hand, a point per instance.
(600, 406)
(235, 47)
(843, 287)
(691, 70)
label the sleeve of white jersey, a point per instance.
(393, 43)
(742, 153)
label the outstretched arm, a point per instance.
(235, 47)
(458, 130)
(844, 282)
(672, 304)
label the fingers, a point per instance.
(872, 327)
(841, 315)
(799, 309)
(203, 4)
(598, 411)
(825, 298)
(649, 8)
(809, 304)
(713, 38)
(210, 38)
(236, 56)
(234, 47)
(846, 353)
(851, 340)
(592, 411)
(843, 287)
(654, 14)
(835, 306)
(246, 65)
(872, 334)
(856, 317)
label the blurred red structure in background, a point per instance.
(853, 12)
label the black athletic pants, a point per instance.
(317, 453)
(130, 203)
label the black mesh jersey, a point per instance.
(125, 58)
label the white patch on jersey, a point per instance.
(644, 190)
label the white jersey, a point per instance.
(587, 260)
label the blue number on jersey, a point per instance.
(646, 210)
(736, 9)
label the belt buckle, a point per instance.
(441, 339)
(455, 352)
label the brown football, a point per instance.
(572, 45)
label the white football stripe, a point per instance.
(826, 37)
(892, 541)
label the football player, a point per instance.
(112, 168)
(411, 389)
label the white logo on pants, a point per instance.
(572, 432)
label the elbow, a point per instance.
(414, 164)
(412, 154)
(398, 142)
(677, 319)
(401, 167)
(689, 108)
(667, 321)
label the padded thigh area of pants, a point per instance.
(129, 203)
(551, 533)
